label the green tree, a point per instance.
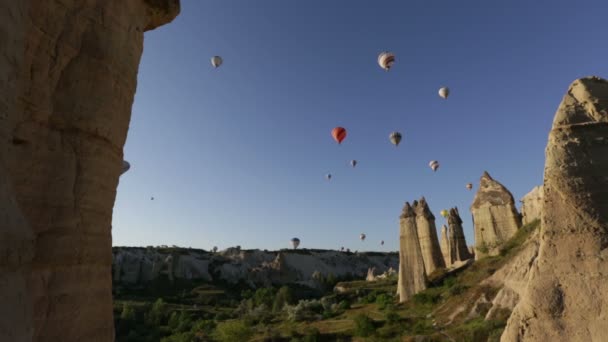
(364, 326)
(264, 295)
(128, 313)
(282, 298)
(155, 316)
(232, 331)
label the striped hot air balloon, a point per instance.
(386, 60)
(339, 134)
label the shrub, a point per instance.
(283, 297)
(383, 301)
(344, 305)
(311, 334)
(391, 316)
(426, 298)
(457, 289)
(231, 331)
(364, 326)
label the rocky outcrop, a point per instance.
(444, 244)
(458, 250)
(531, 205)
(512, 278)
(69, 72)
(495, 216)
(427, 236)
(567, 293)
(135, 266)
(412, 276)
(370, 274)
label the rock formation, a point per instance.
(567, 292)
(69, 72)
(412, 276)
(136, 266)
(370, 274)
(444, 244)
(427, 236)
(458, 246)
(495, 216)
(531, 205)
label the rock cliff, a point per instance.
(458, 250)
(532, 205)
(495, 216)
(69, 76)
(412, 276)
(444, 244)
(135, 266)
(427, 236)
(567, 293)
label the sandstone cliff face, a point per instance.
(456, 241)
(427, 236)
(512, 278)
(65, 103)
(412, 276)
(495, 216)
(135, 266)
(567, 293)
(444, 244)
(531, 205)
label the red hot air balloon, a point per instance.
(339, 133)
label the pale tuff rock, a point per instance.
(427, 236)
(531, 205)
(567, 293)
(458, 250)
(69, 72)
(135, 266)
(370, 274)
(412, 275)
(512, 278)
(495, 216)
(445, 246)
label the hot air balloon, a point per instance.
(151, 198)
(125, 167)
(339, 134)
(386, 60)
(328, 176)
(295, 242)
(214, 249)
(444, 92)
(444, 213)
(362, 236)
(342, 248)
(216, 61)
(382, 243)
(395, 138)
(353, 163)
(469, 186)
(433, 164)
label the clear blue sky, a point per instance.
(237, 155)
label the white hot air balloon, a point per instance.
(362, 236)
(444, 92)
(295, 242)
(125, 167)
(386, 60)
(216, 61)
(433, 164)
(469, 186)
